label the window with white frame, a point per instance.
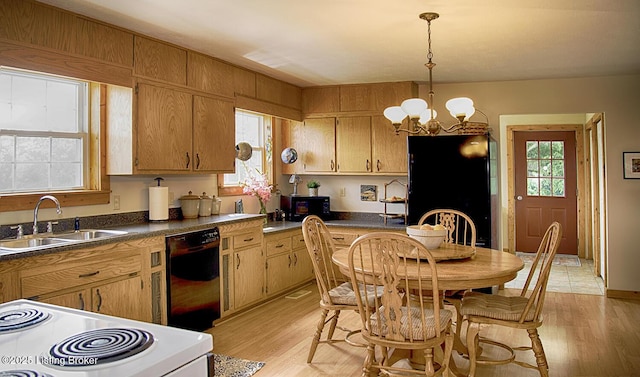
(43, 132)
(255, 129)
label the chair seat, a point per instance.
(416, 323)
(496, 307)
(345, 295)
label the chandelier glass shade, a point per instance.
(422, 116)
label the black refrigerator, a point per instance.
(455, 172)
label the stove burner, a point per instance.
(21, 318)
(100, 346)
(23, 373)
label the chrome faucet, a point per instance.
(35, 211)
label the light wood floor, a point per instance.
(583, 335)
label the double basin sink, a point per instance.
(46, 240)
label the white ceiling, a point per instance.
(328, 42)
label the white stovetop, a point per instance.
(26, 349)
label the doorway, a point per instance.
(546, 132)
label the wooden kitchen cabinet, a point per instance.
(159, 61)
(121, 298)
(118, 278)
(288, 263)
(293, 136)
(319, 150)
(388, 150)
(241, 265)
(353, 144)
(181, 133)
(213, 135)
(164, 129)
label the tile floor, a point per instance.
(566, 279)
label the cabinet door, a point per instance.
(163, 129)
(121, 298)
(248, 276)
(278, 273)
(319, 153)
(75, 300)
(302, 267)
(353, 144)
(389, 151)
(213, 135)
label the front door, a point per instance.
(545, 185)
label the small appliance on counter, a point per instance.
(298, 207)
(39, 339)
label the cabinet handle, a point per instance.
(332, 165)
(89, 274)
(279, 246)
(237, 261)
(289, 261)
(188, 160)
(197, 160)
(81, 301)
(295, 259)
(99, 299)
(378, 165)
(367, 164)
(248, 239)
(338, 238)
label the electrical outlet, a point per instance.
(116, 202)
(343, 192)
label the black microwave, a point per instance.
(298, 207)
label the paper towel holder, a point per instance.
(158, 179)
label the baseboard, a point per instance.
(631, 295)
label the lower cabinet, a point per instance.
(288, 263)
(121, 298)
(241, 265)
(121, 279)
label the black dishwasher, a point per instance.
(193, 279)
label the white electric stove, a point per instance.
(44, 340)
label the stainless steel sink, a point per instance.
(43, 241)
(25, 243)
(89, 234)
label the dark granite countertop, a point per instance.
(177, 226)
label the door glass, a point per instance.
(545, 168)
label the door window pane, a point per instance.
(545, 159)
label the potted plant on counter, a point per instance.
(313, 185)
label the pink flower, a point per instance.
(257, 185)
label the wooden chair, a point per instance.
(335, 293)
(518, 312)
(460, 230)
(404, 317)
(460, 227)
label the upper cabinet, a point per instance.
(173, 131)
(319, 148)
(388, 150)
(353, 144)
(209, 75)
(159, 61)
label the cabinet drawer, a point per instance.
(297, 242)
(78, 275)
(247, 239)
(281, 245)
(343, 239)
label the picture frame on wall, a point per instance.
(631, 162)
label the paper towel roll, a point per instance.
(158, 203)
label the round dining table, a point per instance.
(484, 268)
(468, 269)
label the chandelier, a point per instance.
(422, 116)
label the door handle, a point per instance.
(519, 197)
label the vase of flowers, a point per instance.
(258, 185)
(313, 185)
